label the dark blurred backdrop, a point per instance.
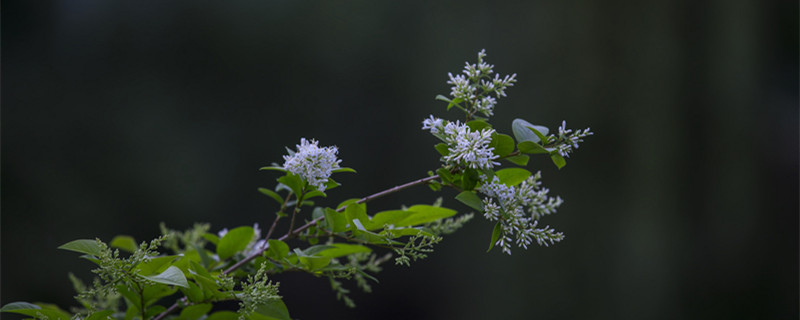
(684, 205)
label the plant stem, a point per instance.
(373, 196)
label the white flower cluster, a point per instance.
(312, 163)
(476, 83)
(567, 140)
(508, 205)
(465, 147)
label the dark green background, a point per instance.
(684, 205)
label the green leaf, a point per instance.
(559, 161)
(442, 149)
(347, 202)
(445, 174)
(470, 199)
(314, 263)
(234, 241)
(125, 243)
(423, 214)
(32, 310)
(539, 133)
(194, 292)
(402, 232)
(531, 147)
(154, 265)
(195, 312)
(90, 247)
(495, 235)
(134, 300)
(293, 181)
(313, 251)
(203, 254)
(314, 194)
(520, 160)
(223, 315)
(281, 169)
(273, 309)
(171, 276)
(389, 217)
(277, 249)
(211, 238)
(100, 315)
(11, 307)
(477, 125)
(522, 131)
(344, 169)
(271, 194)
(154, 311)
(152, 294)
(469, 179)
(343, 249)
(357, 211)
(512, 176)
(336, 221)
(451, 103)
(503, 144)
(331, 184)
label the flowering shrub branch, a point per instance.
(342, 242)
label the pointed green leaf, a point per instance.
(171, 276)
(495, 235)
(344, 169)
(194, 293)
(342, 249)
(520, 160)
(331, 184)
(123, 242)
(293, 181)
(423, 214)
(445, 174)
(442, 149)
(478, 125)
(314, 194)
(357, 211)
(281, 169)
(223, 315)
(531, 148)
(101, 315)
(558, 160)
(234, 241)
(273, 309)
(195, 312)
(211, 238)
(154, 265)
(271, 194)
(90, 247)
(336, 221)
(539, 133)
(33, 310)
(11, 307)
(389, 217)
(522, 131)
(512, 176)
(470, 199)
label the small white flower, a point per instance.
(468, 147)
(513, 200)
(312, 163)
(435, 125)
